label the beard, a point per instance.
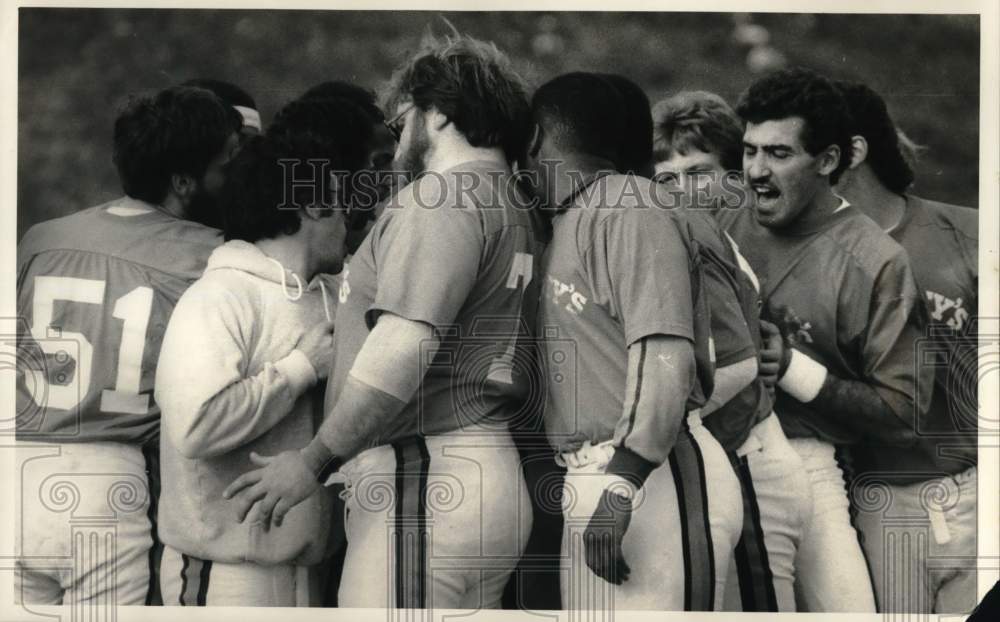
(203, 208)
(413, 160)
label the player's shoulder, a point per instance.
(127, 230)
(867, 247)
(964, 221)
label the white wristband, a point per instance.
(804, 378)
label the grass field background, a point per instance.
(77, 67)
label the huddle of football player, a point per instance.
(384, 353)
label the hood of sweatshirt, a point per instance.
(244, 256)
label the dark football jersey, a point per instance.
(851, 291)
(459, 251)
(942, 244)
(617, 269)
(735, 309)
(96, 289)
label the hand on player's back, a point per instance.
(317, 344)
(282, 482)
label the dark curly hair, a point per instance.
(799, 92)
(175, 132)
(472, 83)
(699, 120)
(870, 118)
(229, 93)
(291, 167)
(583, 113)
(332, 89)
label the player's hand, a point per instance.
(771, 354)
(317, 344)
(282, 482)
(602, 540)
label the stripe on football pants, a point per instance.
(410, 533)
(151, 455)
(195, 574)
(752, 564)
(688, 470)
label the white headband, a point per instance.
(251, 118)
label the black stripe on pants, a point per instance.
(410, 533)
(752, 564)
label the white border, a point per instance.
(989, 164)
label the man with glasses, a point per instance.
(427, 370)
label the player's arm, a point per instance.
(640, 259)
(384, 378)
(735, 349)
(209, 407)
(644, 263)
(428, 263)
(729, 381)
(882, 405)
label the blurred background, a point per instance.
(77, 67)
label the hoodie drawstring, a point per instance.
(326, 304)
(284, 283)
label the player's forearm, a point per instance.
(385, 375)
(241, 410)
(729, 381)
(854, 404)
(660, 374)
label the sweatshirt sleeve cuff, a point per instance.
(299, 371)
(630, 466)
(804, 377)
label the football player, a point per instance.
(842, 294)
(97, 288)
(263, 321)
(628, 365)
(698, 140)
(427, 364)
(942, 243)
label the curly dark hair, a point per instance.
(175, 132)
(291, 167)
(800, 92)
(332, 89)
(870, 118)
(699, 120)
(583, 113)
(228, 93)
(472, 83)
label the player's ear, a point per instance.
(436, 119)
(828, 160)
(183, 186)
(859, 151)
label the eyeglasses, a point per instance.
(394, 126)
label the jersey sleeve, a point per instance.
(641, 260)
(427, 262)
(730, 332)
(895, 324)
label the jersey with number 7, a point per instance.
(457, 251)
(96, 289)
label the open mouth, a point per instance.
(766, 194)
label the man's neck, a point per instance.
(171, 206)
(876, 201)
(571, 172)
(823, 205)
(452, 151)
(291, 252)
